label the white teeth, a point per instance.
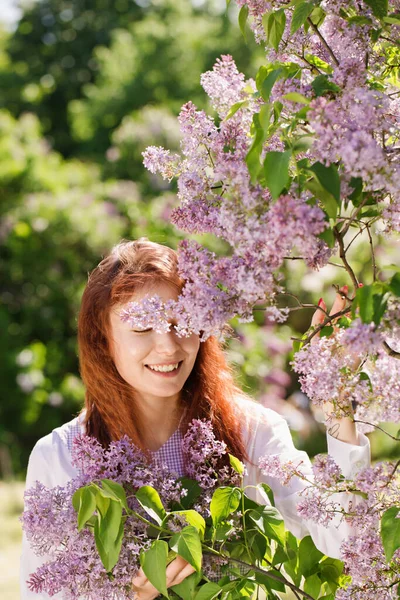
(165, 368)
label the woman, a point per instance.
(150, 385)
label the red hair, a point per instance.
(110, 408)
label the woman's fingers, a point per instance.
(318, 318)
(177, 571)
(340, 300)
(185, 572)
(321, 312)
(140, 579)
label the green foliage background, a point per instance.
(85, 87)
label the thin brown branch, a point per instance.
(387, 39)
(280, 578)
(328, 319)
(396, 439)
(374, 267)
(359, 232)
(390, 351)
(323, 40)
(342, 253)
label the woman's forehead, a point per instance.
(165, 291)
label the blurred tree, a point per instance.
(115, 56)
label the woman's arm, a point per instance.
(271, 437)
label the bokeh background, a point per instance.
(85, 86)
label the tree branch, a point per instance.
(396, 439)
(342, 253)
(323, 40)
(390, 351)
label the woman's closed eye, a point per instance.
(141, 330)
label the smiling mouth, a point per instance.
(166, 369)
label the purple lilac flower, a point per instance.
(203, 453)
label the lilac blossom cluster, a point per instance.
(355, 126)
(377, 489)
(71, 563)
(326, 372)
(203, 455)
(217, 196)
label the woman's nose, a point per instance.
(167, 342)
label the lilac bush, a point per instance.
(295, 164)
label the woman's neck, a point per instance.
(159, 419)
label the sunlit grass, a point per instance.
(11, 503)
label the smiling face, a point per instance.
(135, 352)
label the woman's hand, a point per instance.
(177, 571)
(344, 428)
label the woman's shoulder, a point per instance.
(50, 459)
(254, 415)
(63, 434)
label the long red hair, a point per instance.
(110, 408)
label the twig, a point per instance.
(342, 253)
(281, 579)
(323, 40)
(327, 320)
(396, 43)
(374, 267)
(396, 439)
(390, 351)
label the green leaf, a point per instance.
(320, 64)
(379, 7)
(394, 284)
(363, 300)
(309, 556)
(328, 178)
(392, 19)
(328, 236)
(331, 570)
(274, 26)
(269, 521)
(236, 464)
(296, 97)
(300, 14)
(344, 322)
(267, 80)
(193, 491)
(379, 304)
(234, 108)
(276, 171)
(187, 588)
(154, 565)
(116, 490)
(321, 84)
(390, 531)
(257, 543)
(270, 584)
(108, 534)
(326, 331)
(327, 200)
(208, 591)
(267, 490)
(225, 501)
(243, 15)
(312, 585)
(253, 155)
(87, 507)
(102, 503)
(302, 144)
(150, 500)
(187, 544)
(193, 518)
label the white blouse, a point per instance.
(265, 433)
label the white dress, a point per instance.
(265, 433)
